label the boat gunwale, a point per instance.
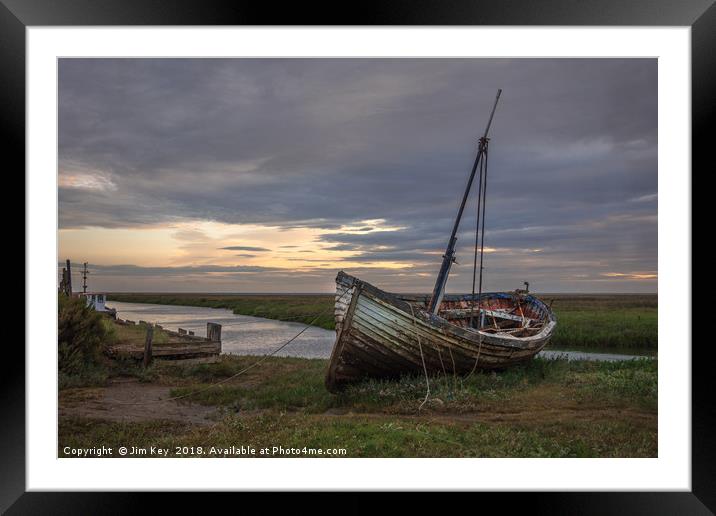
(434, 322)
(495, 339)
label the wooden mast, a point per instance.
(449, 256)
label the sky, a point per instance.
(271, 175)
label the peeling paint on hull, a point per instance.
(381, 335)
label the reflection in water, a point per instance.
(245, 335)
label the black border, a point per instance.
(16, 15)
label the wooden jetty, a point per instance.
(181, 345)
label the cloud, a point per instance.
(354, 145)
(645, 198)
(87, 181)
(632, 275)
(244, 248)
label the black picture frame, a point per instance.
(700, 15)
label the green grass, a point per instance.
(628, 328)
(296, 384)
(91, 375)
(547, 408)
(602, 321)
(367, 437)
(613, 321)
(133, 333)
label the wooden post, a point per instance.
(213, 332)
(69, 279)
(148, 346)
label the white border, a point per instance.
(670, 471)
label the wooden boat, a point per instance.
(387, 335)
(384, 335)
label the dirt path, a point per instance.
(126, 399)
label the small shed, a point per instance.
(96, 300)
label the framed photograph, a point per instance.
(424, 249)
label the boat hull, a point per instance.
(382, 335)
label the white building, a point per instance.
(97, 300)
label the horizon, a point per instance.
(77, 277)
(267, 176)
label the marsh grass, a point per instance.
(363, 436)
(547, 408)
(133, 333)
(292, 384)
(91, 375)
(611, 328)
(634, 381)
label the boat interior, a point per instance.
(513, 314)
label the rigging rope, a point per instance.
(477, 235)
(481, 231)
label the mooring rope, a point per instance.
(250, 366)
(422, 357)
(297, 319)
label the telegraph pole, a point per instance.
(85, 272)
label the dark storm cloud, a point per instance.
(325, 143)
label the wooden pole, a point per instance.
(63, 283)
(148, 346)
(213, 332)
(69, 279)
